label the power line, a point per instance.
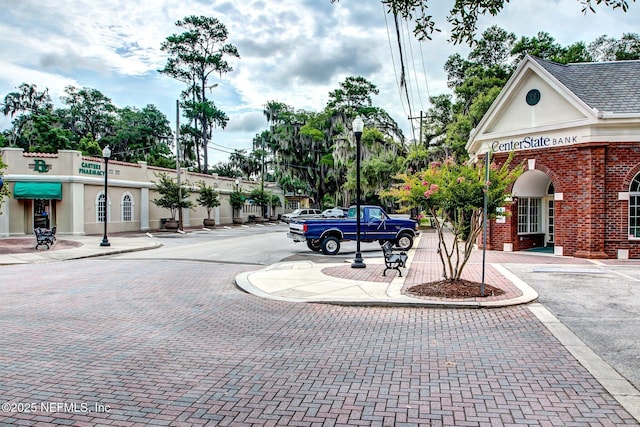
(393, 61)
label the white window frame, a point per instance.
(529, 215)
(130, 205)
(98, 206)
(634, 208)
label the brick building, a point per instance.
(576, 129)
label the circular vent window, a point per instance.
(533, 97)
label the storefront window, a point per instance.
(529, 215)
(634, 208)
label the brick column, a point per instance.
(590, 203)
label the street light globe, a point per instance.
(358, 124)
(106, 152)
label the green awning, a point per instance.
(37, 190)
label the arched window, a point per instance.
(634, 207)
(127, 207)
(100, 208)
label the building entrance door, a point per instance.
(41, 213)
(550, 223)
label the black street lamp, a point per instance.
(106, 154)
(358, 126)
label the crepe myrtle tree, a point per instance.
(453, 194)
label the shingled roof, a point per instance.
(606, 86)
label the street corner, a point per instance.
(285, 281)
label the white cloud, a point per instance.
(293, 51)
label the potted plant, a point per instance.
(172, 197)
(261, 198)
(208, 198)
(236, 200)
(275, 203)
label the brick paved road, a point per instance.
(174, 343)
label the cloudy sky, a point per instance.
(292, 51)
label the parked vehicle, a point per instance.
(326, 234)
(334, 213)
(301, 214)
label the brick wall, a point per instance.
(590, 221)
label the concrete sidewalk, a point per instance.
(71, 247)
(338, 283)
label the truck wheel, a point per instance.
(330, 245)
(405, 241)
(313, 244)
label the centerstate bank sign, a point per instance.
(88, 168)
(532, 142)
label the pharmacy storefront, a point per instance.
(66, 190)
(576, 130)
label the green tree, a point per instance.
(453, 193)
(544, 46)
(140, 135)
(236, 200)
(354, 94)
(172, 196)
(27, 99)
(261, 198)
(88, 112)
(33, 111)
(194, 55)
(208, 198)
(609, 49)
(226, 169)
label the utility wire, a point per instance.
(402, 73)
(393, 61)
(413, 63)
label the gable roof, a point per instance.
(595, 95)
(612, 87)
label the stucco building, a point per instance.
(576, 129)
(66, 190)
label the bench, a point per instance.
(393, 261)
(44, 237)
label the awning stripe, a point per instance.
(37, 190)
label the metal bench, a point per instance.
(393, 261)
(44, 237)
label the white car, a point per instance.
(333, 213)
(301, 214)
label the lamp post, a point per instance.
(106, 154)
(358, 126)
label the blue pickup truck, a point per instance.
(326, 234)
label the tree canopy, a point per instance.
(87, 121)
(464, 14)
(196, 53)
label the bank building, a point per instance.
(576, 130)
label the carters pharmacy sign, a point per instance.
(532, 142)
(89, 168)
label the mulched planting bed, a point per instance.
(454, 289)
